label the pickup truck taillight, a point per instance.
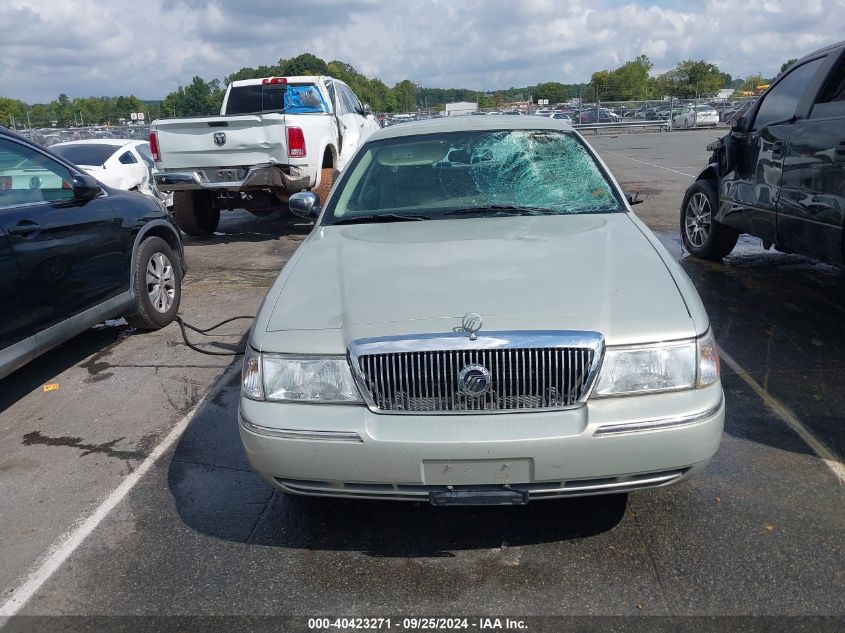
(296, 143)
(154, 147)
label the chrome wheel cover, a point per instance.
(697, 220)
(161, 282)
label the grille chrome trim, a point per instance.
(422, 370)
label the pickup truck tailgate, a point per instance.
(249, 139)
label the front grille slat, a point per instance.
(520, 379)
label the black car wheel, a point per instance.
(195, 213)
(158, 285)
(703, 236)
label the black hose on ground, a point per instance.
(184, 326)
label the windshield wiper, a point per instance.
(383, 217)
(501, 209)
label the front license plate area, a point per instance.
(479, 498)
(476, 472)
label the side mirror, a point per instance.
(85, 187)
(633, 198)
(366, 110)
(305, 204)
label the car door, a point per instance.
(15, 321)
(72, 254)
(811, 207)
(352, 123)
(748, 195)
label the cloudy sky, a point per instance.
(149, 47)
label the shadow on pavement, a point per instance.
(242, 226)
(780, 318)
(46, 367)
(217, 494)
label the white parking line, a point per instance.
(62, 549)
(824, 453)
(637, 160)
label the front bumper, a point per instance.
(609, 445)
(267, 176)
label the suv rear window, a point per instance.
(86, 154)
(292, 98)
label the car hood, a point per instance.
(578, 272)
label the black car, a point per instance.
(780, 173)
(74, 252)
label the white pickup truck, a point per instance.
(274, 136)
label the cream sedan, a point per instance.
(478, 317)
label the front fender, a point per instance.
(167, 232)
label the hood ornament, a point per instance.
(471, 324)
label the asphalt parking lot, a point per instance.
(760, 532)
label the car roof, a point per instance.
(116, 142)
(471, 123)
(826, 49)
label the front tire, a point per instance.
(195, 213)
(703, 236)
(157, 279)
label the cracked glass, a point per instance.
(495, 172)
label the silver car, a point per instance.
(479, 318)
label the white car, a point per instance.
(563, 117)
(119, 163)
(696, 116)
(478, 317)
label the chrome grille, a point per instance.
(520, 378)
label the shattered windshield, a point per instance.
(462, 174)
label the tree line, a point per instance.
(631, 81)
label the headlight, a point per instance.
(283, 377)
(661, 367)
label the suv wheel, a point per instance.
(194, 212)
(158, 284)
(703, 236)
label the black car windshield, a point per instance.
(463, 174)
(92, 154)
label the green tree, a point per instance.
(629, 82)
(787, 64)
(12, 108)
(690, 79)
(405, 93)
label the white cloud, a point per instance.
(87, 47)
